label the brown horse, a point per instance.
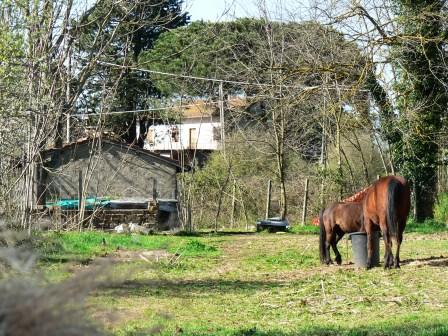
(335, 221)
(386, 204)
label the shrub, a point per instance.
(441, 208)
(428, 226)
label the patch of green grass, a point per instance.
(286, 259)
(428, 226)
(267, 284)
(196, 248)
(83, 246)
(419, 325)
(304, 229)
(191, 256)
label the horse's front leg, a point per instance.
(368, 226)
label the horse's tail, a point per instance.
(393, 188)
(322, 237)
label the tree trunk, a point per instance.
(425, 200)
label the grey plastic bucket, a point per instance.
(359, 248)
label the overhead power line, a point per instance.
(152, 109)
(219, 80)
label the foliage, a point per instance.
(11, 52)
(249, 166)
(140, 24)
(428, 226)
(239, 50)
(441, 208)
(361, 163)
(422, 96)
(12, 79)
(12, 90)
(281, 58)
(240, 168)
(205, 49)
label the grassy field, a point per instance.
(253, 284)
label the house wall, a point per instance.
(114, 171)
(160, 137)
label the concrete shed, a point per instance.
(108, 169)
(105, 168)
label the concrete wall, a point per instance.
(114, 170)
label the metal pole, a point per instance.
(221, 115)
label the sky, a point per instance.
(218, 10)
(222, 10)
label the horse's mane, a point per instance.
(357, 197)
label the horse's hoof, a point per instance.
(388, 265)
(339, 261)
(391, 261)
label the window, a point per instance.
(150, 137)
(193, 138)
(217, 133)
(175, 134)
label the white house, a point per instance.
(198, 130)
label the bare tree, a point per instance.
(53, 72)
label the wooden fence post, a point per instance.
(305, 201)
(232, 217)
(154, 189)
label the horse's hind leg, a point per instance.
(397, 254)
(328, 242)
(339, 235)
(388, 256)
(338, 257)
